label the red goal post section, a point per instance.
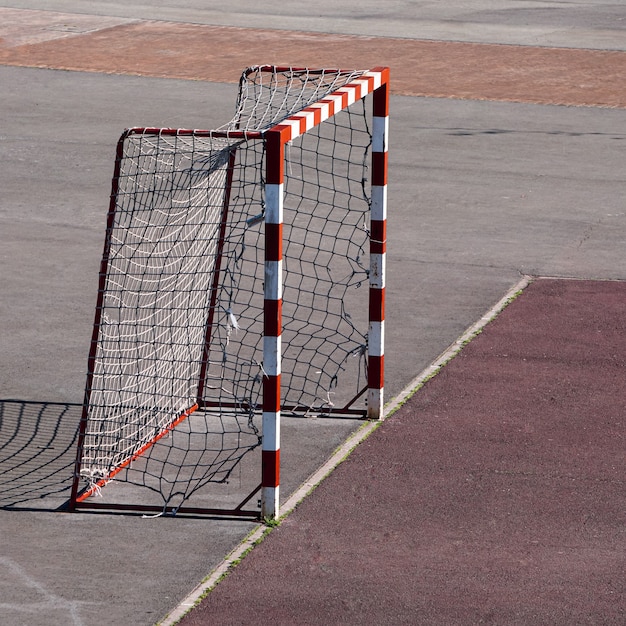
(376, 82)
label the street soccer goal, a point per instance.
(243, 277)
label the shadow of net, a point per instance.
(37, 453)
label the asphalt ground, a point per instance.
(492, 178)
(495, 495)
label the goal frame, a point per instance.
(373, 82)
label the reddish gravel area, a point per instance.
(495, 495)
(446, 69)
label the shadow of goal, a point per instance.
(37, 453)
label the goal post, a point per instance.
(277, 139)
(234, 288)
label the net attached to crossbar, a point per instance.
(176, 367)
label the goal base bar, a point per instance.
(345, 411)
(297, 411)
(183, 511)
(172, 511)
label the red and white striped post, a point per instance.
(272, 325)
(378, 247)
(375, 81)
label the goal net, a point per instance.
(224, 292)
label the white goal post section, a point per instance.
(219, 299)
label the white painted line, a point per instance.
(208, 583)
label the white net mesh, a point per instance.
(268, 97)
(180, 319)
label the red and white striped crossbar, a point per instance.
(374, 81)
